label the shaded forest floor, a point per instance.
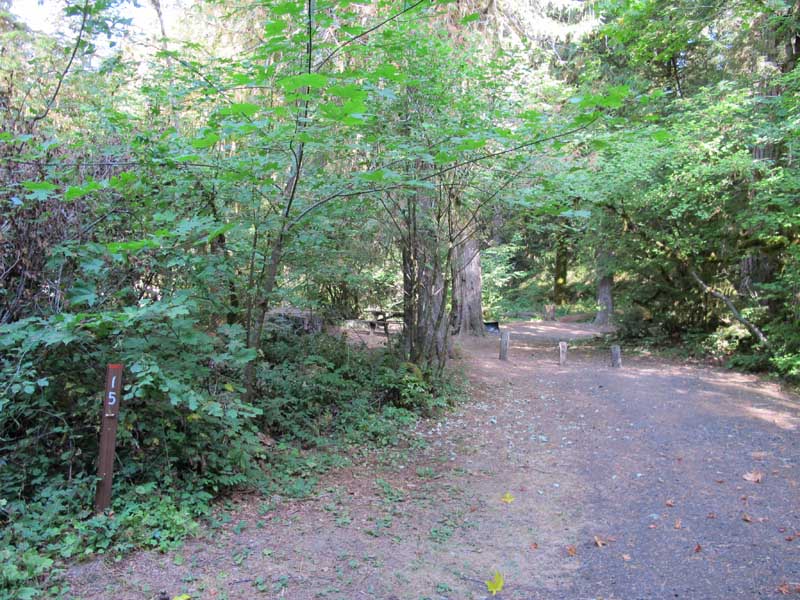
(657, 480)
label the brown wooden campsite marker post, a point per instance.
(108, 437)
(505, 337)
(562, 353)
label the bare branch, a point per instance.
(352, 193)
(84, 17)
(754, 331)
(365, 33)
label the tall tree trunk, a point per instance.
(605, 300)
(467, 315)
(432, 331)
(605, 284)
(560, 271)
(409, 295)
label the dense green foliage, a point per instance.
(691, 198)
(320, 395)
(161, 199)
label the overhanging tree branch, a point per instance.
(754, 331)
(351, 193)
(686, 264)
(365, 33)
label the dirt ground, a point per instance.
(653, 481)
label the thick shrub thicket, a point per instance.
(185, 434)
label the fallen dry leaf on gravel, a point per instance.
(747, 518)
(670, 503)
(599, 542)
(626, 557)
(678, 524)
(572, 550)
(753, 476)
(787, 588)
(698, 548)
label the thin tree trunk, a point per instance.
(560, 272)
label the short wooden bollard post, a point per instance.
(505, 337)
(108, 437)
(616, 356)
(562, 353)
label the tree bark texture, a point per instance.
(605, 285)
(426, 282)
(560, 272)
(604, 299)
(467, 316)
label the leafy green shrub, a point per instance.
(56, 524)
(725, 341)
(311, 387)
(181, 408)
(635, 322)
(182, 425)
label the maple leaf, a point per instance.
(698, 548)
(626, 557)
(572, 550)
(783, 588)
(753, 476)
(496, 583)
(507, 498)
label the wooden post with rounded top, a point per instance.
(108, 437)
(562, 353)
(505, 338)
(616, 356)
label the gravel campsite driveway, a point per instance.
(657, 480)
